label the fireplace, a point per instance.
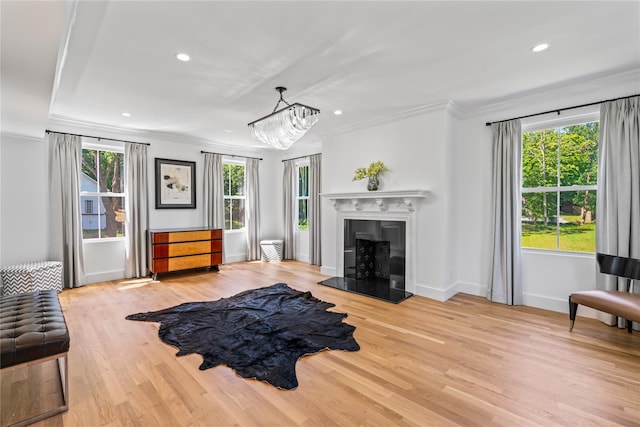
(375, 243)
(375, 249)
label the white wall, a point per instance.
(302, 245)
(271, 217)
(301, 238)
(103, 260)
(24, 227)
(451, 157)
(415, 149)
(433, 150)
(24, 219)
(548, 277)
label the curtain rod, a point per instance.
(96, 137)
(557, 110)
(232, 155)
(301, 157)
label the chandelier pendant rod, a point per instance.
(280, 89)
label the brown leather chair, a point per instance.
(619, 303)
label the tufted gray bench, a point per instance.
(32, 331)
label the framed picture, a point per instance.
(175, 184)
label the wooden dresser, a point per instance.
(183, 249)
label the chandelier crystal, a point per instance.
(282, 128)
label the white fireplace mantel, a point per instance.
(377, 200)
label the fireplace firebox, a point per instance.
(374, 259)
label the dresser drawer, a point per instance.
(181, 263)
(181, 249)
(184, 236)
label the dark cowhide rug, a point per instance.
(260, 333)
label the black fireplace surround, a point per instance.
(374, 260)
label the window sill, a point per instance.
(105, 240)
(555, 252)
(237, 231)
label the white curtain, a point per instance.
(505, 283)
(65, 216)
(252, 209)
(214, 193)
(618, 199)
(289, 198)
(315, 229)
(136, 208)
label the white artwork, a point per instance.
(174, 183)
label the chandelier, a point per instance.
(282, 128)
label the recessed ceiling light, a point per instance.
(337, 112)
(183, 57)
(125, 114)
(228, 131)
(540, 47)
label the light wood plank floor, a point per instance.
(463, 362)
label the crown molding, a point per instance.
(614, 83)
(455, 110)
(21, 136)
(392, 117)
(65, 124)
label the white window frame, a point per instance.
(98, 194)
(576, 117)
(243, 164)
(300, 164)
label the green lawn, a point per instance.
(573, 236)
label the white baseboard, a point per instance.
(530, 300)
(104, 276)
(545, 302)
(303, 258)
(328, 271)
(472, 289)
(435, 293)
(235, 258)
(556, 304)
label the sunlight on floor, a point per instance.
(135, 283)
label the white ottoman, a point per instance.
(32, 276)
(271, 250)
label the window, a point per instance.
(234, 196)
(302, 196)
(559, 185)
(102, 193)
(88, 206)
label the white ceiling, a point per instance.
(88, 61)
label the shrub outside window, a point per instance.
(102, 193)
(559, 186)
(302, 197)
(234, 196)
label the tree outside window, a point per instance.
(559, 184)
(102, 194)
(234, 196)
(303, 197)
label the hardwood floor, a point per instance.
(463, 362)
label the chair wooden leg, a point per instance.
(573, 310)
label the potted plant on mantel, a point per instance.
(373, 172)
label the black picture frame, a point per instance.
(175, 184)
